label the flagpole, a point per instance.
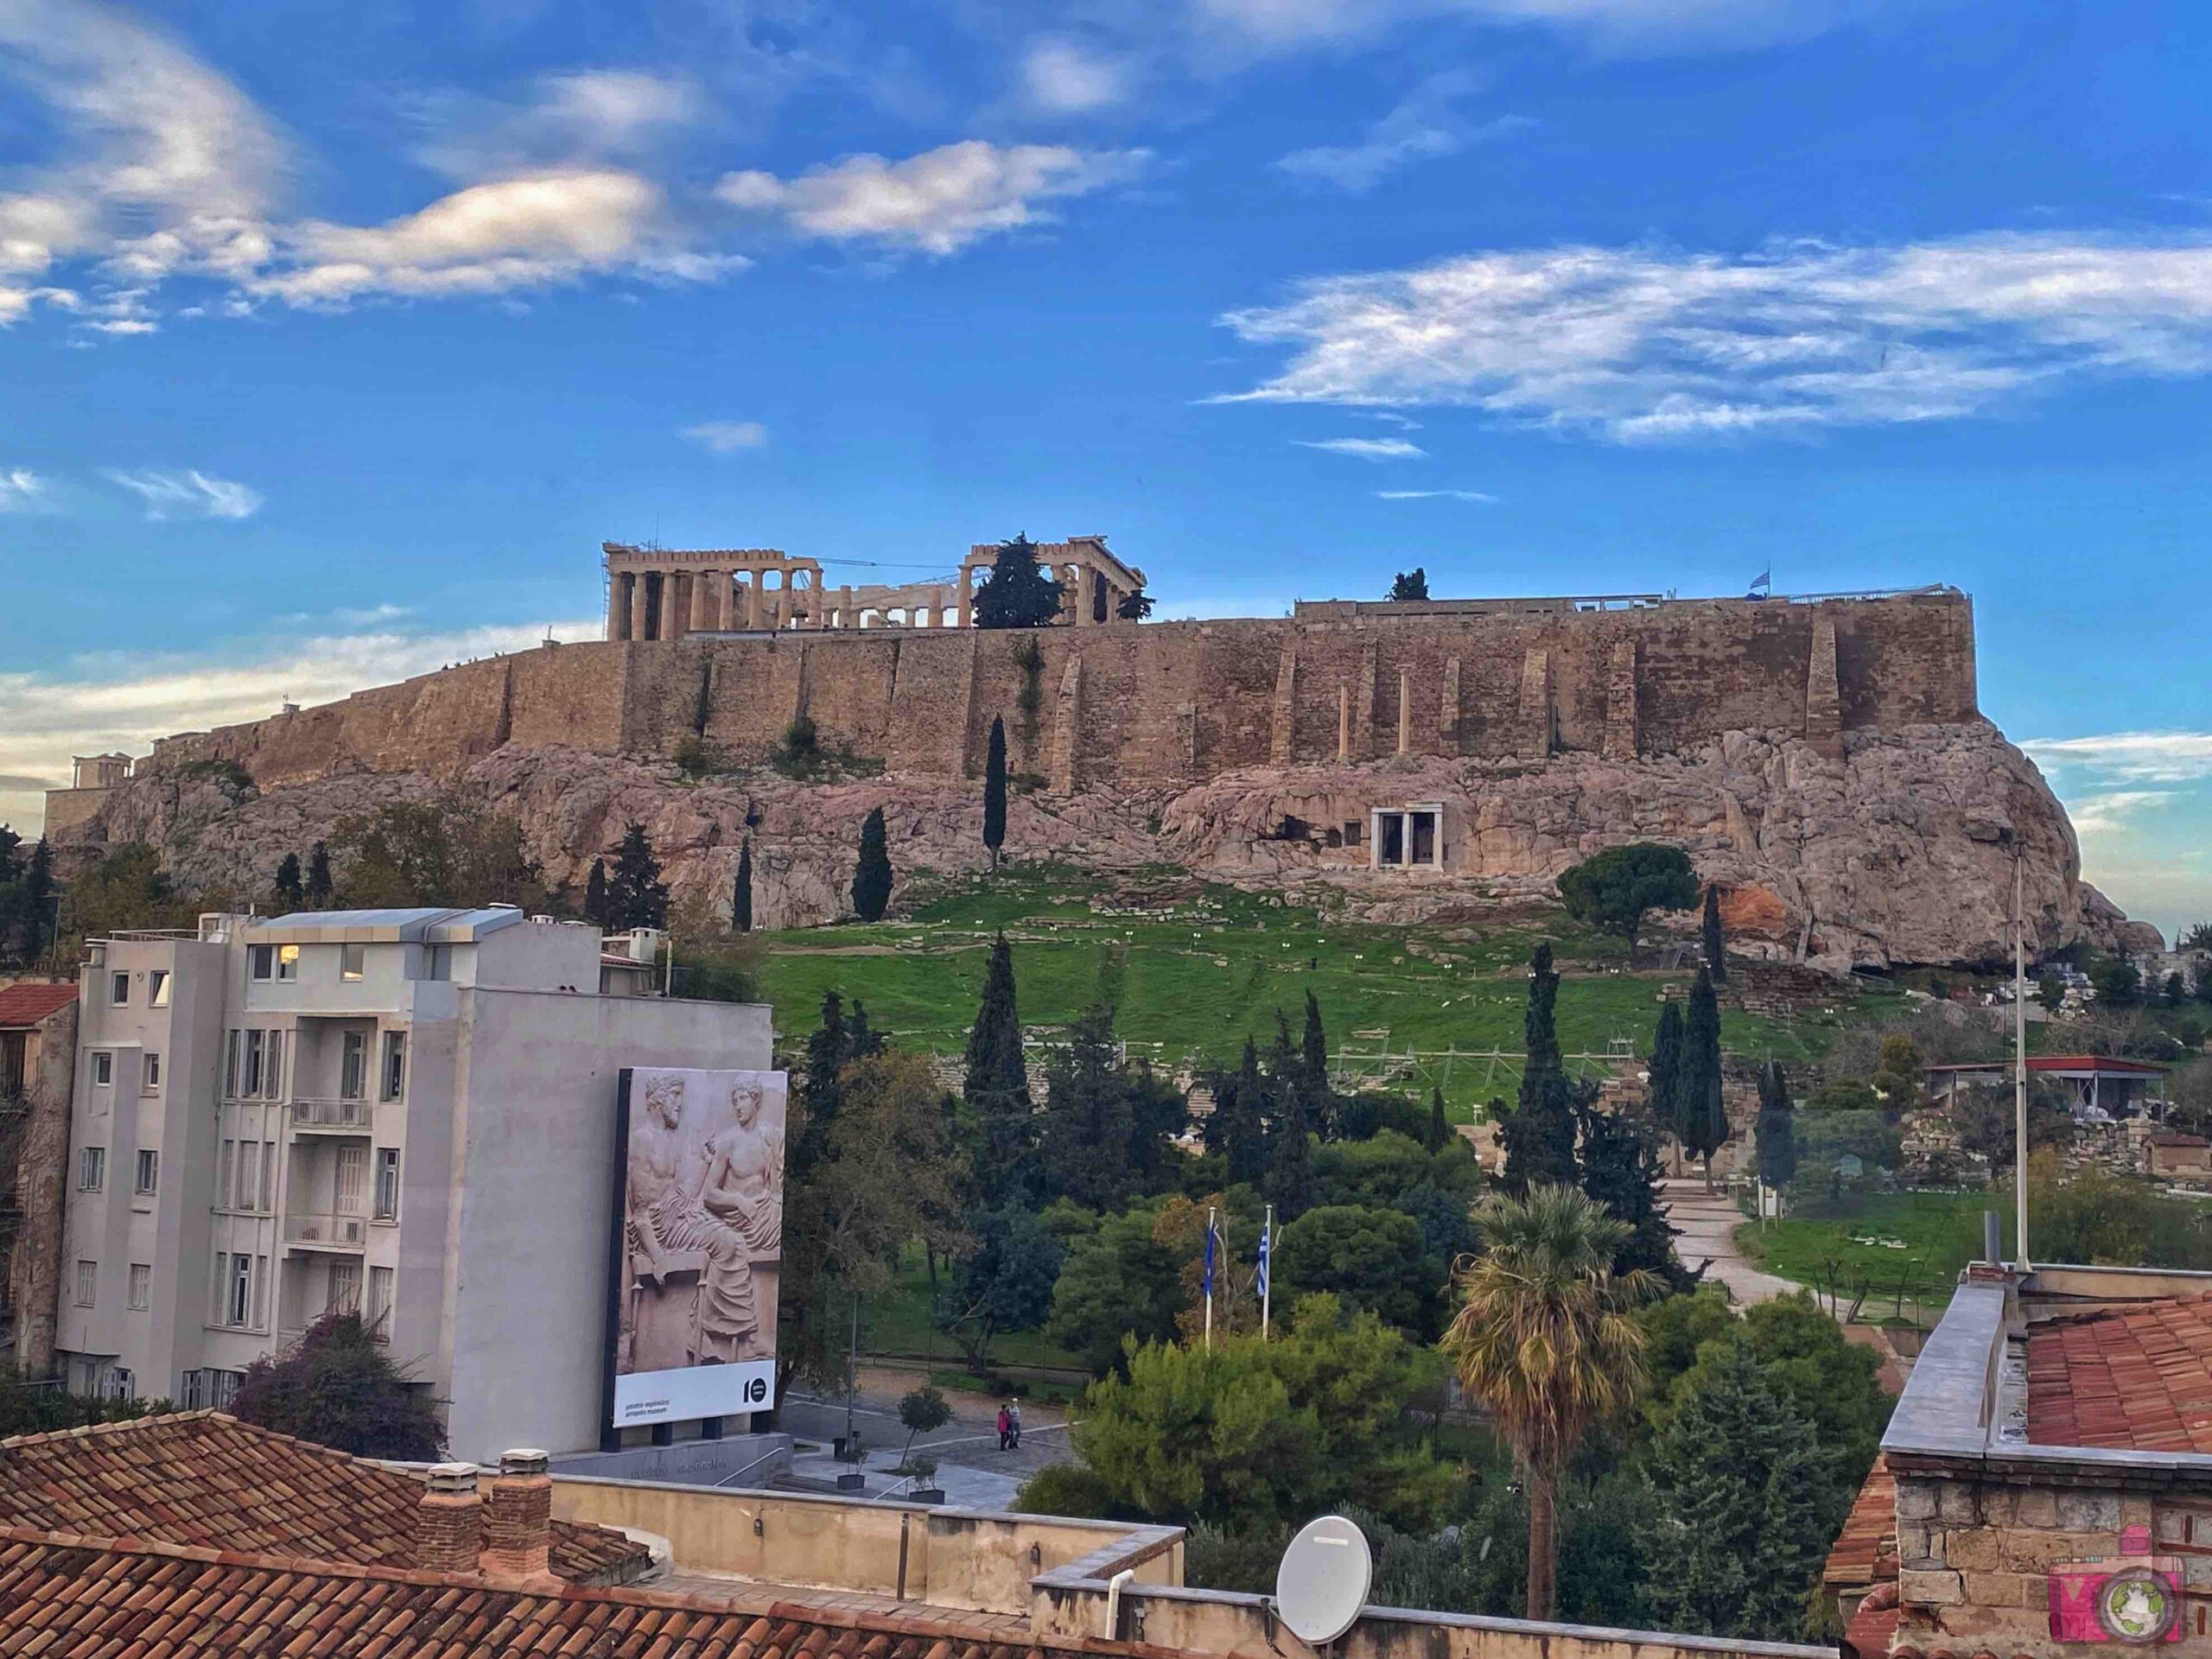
(1266, 1269)
(1209, 1278)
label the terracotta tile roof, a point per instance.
(1874, 1627)
(26, 1004)
(1865, 1551)
(62, 1593)
(200, 1478)
(2138, 1378)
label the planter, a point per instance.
(927, 1494)
(853, 1481)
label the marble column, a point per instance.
(703, 618)
(1405, 711)
(671, 620)
(614, 618)
(753, 611)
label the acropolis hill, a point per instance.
(1822, 758)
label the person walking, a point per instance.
(1006, 1428)
(1013, 1415)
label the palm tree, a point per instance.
(1544, 1339)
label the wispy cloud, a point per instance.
(727, 437)
(596, 114)
(2139, 801)
(1435, 495)
(22, 490)
(1645, 344)
(938, 201)
(2134, 757)
(1064, 77)
(1366, 449)
(188, 494)
(1424, 126)
(45, 718)
(1651, 26)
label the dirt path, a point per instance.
(1704, 1225)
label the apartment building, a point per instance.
(406, 1112)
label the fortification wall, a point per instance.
(1171, 701)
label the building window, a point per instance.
(120, 1385)
(352, 961)
(272, 1071)
(261, 961)
(235, 1274)
(91, 1168)
(268, 1177)
(394, 1064)
(379, 1312)
(352, 1065)
(119, 990)
(102, 1068)
(251, 1078)
(152, 1083)
(249, 1187)
(224, 1162)
(88, 1278)
(260, 1292)
(351, 1179)
(345, 1288)
(147, 1178)
(288, 961)
(387, 1183)
(157, 989)
(231, 1042)
(141, 1286)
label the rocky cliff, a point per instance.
(1901, 852)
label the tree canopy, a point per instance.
(636, 896)
(1614, 890)
(872, 875)
(1409, 585)
(340, 1387)
(1017, 594)
(994, 791)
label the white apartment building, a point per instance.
(407, 1112)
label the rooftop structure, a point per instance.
(2094, 1084)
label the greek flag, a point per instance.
(1763, 586)
(1210, 1238)
(1259, 1283)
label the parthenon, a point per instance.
(655, 593)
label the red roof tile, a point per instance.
(203, 1478)
(27, 1003)
(2137, 1378)
(1866, 1549)
(1874, 1627)
(68, 1594)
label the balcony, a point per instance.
(331, 1116)
(348, 1235)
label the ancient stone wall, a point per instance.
(1172, 701)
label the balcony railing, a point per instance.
(341, 1117)
(325, 1232)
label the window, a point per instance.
(88, 1278)
(91, 1168)
(151, 1082)
(102, 1067)
(225, 1160)
(352, 1065)
(394, 1064)
(119, 990)
(387, 1183)
(118, 1384)
(251, 1077)
(141, 1286)
(345, 1288)
(261, 961)
(352, 1179)
(269, 1176)
(272, 1071)
(260, 1292)
(352, 961)
(238, 1291)
(288, 961)
(379, 1311)
(244, 1197)
(148, 1176)
(231, 1042)
(157, 989)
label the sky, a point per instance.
(335, 339)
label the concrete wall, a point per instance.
(42, 1173)
(1169, 701)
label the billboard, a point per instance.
(699, 1238)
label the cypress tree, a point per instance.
(636, 896)
(994, 791)
(740, 898)
(996, 1086)
(320, 887)
(1539, 1135)
(871, 875)
(1084, 1131)
(595, 893)
(1238, 1126)
(1620, 1170)
(1313, 1066)
(1716, 950)
(1439, 1127)
(1701, 1117)
(1778, 1130)
(289, 887)
(36, 891)
(1289, 1181)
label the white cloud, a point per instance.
(1422, 127)
(188, 494)
(1366, 449)
(46, 719)
(595, 114)
(2110, 813)
(1609, 25)
(1655, 344)
(20, 490)
(1434, 495)
(2134, 757)
(727, 437)
(1060, 76)
(938, 201)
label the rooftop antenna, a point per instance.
(1322, 1585)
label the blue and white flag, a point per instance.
(1260, 1282)
(1210, 1238)
(1763, 585)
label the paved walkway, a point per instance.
(1705, 1225)
(974, 1473)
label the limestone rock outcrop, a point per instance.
(1901, 852)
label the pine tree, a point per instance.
(871, 875)
(290, 888)
(1701, 1117)
(995, 790)
(1439, 1127)
(1778, 1130)
(636, 896)
(740, 898)
(595, 894)
(1288, 1183)
(319, 887)
(1621, 1170)
(1538, 1135)
(996, 1086)
(1017, 594)
(1716, 947)
(1084, 1132)
(1746, 1504)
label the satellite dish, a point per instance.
(1322, 1584)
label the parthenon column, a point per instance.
(614, 616)
(1405, 711)
(1343, 724)
(966, 593)
(672, 625)
(704, 616)
(752, 599)
(724, 602)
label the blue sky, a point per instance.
(334, 340)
